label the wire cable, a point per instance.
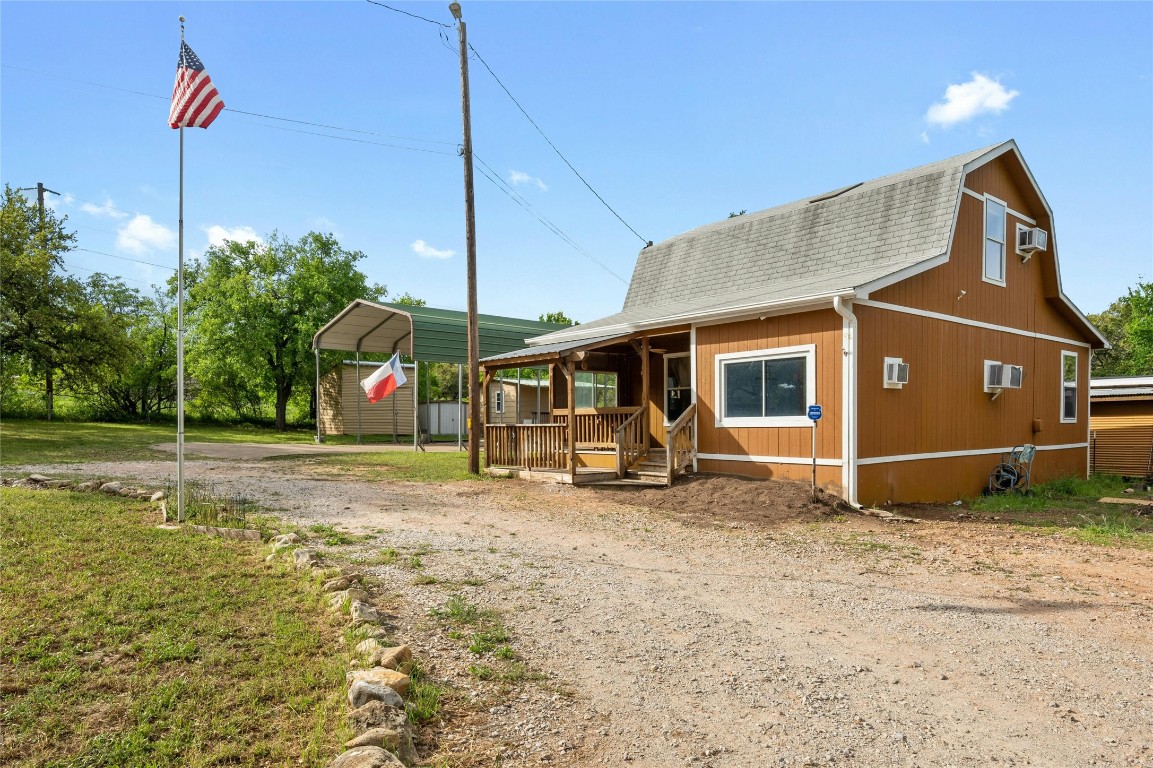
(413, 15)
(125, 258)
(554, 148)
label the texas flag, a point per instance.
(387, 379)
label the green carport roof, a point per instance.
(425, 333)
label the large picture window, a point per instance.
(1068, 387)
(994, 240)
(766, 388)
(595, 389)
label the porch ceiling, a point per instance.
(548, 352)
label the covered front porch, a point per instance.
(621, 411)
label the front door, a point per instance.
(678, 385)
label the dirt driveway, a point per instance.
(727, 635)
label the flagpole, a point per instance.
(180, 334)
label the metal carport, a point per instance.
(425, 334)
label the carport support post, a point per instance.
(358, 398)
(415, 405)
(459, 406)
(318, 438)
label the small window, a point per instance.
(595, 389)
(498, 400)
(766, 388)
(994, 241)
(1068, 387)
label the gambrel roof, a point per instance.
(841, 243)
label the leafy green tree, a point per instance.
(253, 309)
(410, 301)
(557, 317)
(135, 374)
(1128, 325)
(39, 305)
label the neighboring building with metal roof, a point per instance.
(923, 310)
(1121, 425)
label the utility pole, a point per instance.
(40, 190)
(470, 248)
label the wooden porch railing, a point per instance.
(532, 446)
(630, 440)
(595, 426)
(679, 443)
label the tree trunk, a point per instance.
(48, 392)
(282, 394)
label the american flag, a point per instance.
(195, 100)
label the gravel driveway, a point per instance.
(846, 641)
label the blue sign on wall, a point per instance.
(815, 412)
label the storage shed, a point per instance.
(1121, 425)
(343, 404)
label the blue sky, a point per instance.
(676, 113)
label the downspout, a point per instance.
(848, 399)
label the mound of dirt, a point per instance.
(727, 500)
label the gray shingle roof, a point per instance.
(897, 219)
(819, 246)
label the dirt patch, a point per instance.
(734, 502)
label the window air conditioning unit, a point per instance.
(999, 376)
(896, 373)
(1031, 239)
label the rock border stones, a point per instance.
(111, 487)
(375, 692)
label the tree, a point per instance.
(134, 374)
(253, 309)
(557, 317)
(1128, 325)
(38, 303)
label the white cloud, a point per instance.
(516, 178)
(142, 235)
(54, 202)
(426, 251)
(107, 208)
(968, 100)
(925, 136)
(217, 234)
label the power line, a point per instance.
(125, 258)
(250, 114)
(517, 198)
(98, 272)
(554, 149)
(527, 117)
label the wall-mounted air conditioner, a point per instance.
(1031, 239)
(1000, 376)
(896, 373)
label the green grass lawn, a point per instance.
(1074, 505)
(43, 442)
(124, 645)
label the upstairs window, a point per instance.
(994, 241)
(1068, 387)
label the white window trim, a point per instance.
(808, 351)
(1004, 241)
(1076, 385)
(665, 396)
(498, 400)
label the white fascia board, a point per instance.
(708, 317)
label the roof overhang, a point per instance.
(366, 326)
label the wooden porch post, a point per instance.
(645, 390)
(483, 411)
(571, 375)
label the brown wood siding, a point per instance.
(338, 405)
(1027, 300)
(828, 478)
(950, 479)
(944, 406)
(1121, 437)
(821, 328)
